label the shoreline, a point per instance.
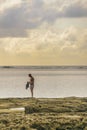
(23, 102)
(28, 97)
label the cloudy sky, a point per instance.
(43, 32)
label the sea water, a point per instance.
(49, 83)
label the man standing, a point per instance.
(31, 83)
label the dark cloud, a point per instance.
(16, 20)
(12, 33)
(75, 10)
(50, 15)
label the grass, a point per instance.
(44, 114)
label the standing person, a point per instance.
(31, 83)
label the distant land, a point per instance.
(46, 67)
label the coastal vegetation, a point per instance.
(43, 114)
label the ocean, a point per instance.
(50, 81)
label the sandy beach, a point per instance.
(43, 114)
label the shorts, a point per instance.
(31, 86)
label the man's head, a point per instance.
(29, 75)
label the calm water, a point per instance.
(51, 84)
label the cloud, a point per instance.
(70, 41)
(16, 20)
(76, 9)
(5, 4)
(12, 33)
(47, 46)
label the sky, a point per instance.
(43, 32)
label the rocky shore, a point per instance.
(43, 114)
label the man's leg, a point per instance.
(31, 88)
